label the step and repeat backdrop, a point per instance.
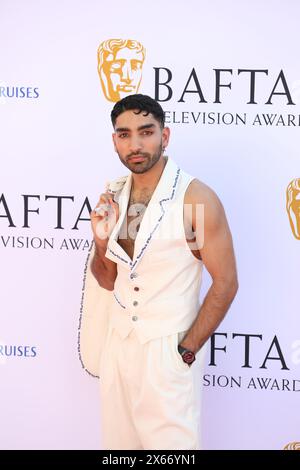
(228, 77)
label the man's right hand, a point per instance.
(104, 219)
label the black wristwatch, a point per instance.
(187, 355)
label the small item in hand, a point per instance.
(187, 355)
(101, 209)
(111, 187)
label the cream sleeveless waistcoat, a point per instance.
(157, 292)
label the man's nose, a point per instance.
(135, 144)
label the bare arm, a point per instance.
(218, 257)
(104, 270)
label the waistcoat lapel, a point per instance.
(153, 216)
(157, 207)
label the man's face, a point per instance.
(139, 140)
(121, 73)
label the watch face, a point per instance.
(188, 357)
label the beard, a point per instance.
(143, 166)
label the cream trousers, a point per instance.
(150, 399)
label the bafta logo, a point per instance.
(120, 63)
(293, 206)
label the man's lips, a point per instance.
(136, 158)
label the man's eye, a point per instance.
(147, 133)
(123, 135)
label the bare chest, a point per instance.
(137, 206)
(131, 224)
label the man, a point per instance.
(151, 242)
(120, 65)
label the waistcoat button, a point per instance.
(134, 318)
(133, 275)
(135, 303)
(136, 288)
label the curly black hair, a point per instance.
(142, 104)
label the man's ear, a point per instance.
(165, 136)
